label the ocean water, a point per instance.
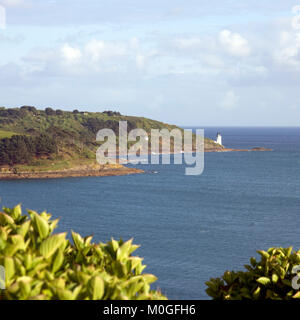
(190, 228)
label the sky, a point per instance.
(185, 62)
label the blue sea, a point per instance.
(190, 228)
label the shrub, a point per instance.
(42, 265)
(112, 113)
(50, 112)
(59, 112)
(29, 108)
(270, 278)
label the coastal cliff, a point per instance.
(54, 143)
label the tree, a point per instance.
(22, 149)
(17, 149)
(44, 145)
(50, 112)
(29, 108)
(112, 113)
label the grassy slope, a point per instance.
(77, 143)
(6, 134)
(70, 122)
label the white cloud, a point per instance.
(13, 3)
(188, 42)
(70, 54)
(90, 58)
(229, 101)
(98, 50)
(234, 43)
(134, 42)
(2, 18)
(288, 53)
(140, 61)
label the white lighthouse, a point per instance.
(219, 138)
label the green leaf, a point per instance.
(275, 278)
(53, 225)
(97, 287)
(87, 240)
(64, 294)
(77, 239)
(3, 244)
(3, 233)
(133, 248)
(289, 251)
(51, 244)
(135, 261)
(41, 225)
(297, 295)
(253, 262)
(139, 269)
(149, 278)
(9, 266)
(263, 280)
(16, 212)
(5, 219)
(24, 283)
(18, 240)
(37, 289)
(58, 260)
(264, 254)
(115, 244)
(76, 291)
(256, 293)
(23, 229)
(134, 288)
(17, 244)
(28, 261)
(123, 250)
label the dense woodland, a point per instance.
(22, 149)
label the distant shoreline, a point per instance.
(108, 171)
(232, 150)
(69, 174)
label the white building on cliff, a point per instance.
(219, 138)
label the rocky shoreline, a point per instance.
(104, 171)
(69, 173)
(231, 150)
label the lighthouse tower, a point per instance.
(219, 138)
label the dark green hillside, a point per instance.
(33, 137)
(29, 120)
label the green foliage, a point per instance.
(22, 149)
(50, 112)
(112, 113)
(270, 278)
(43, 265)
(6, 134)
(74, 132)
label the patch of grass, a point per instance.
(7, 134)
(43, 165)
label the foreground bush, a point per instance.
(272, 277)
(40, 265)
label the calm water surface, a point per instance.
(190, 228)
